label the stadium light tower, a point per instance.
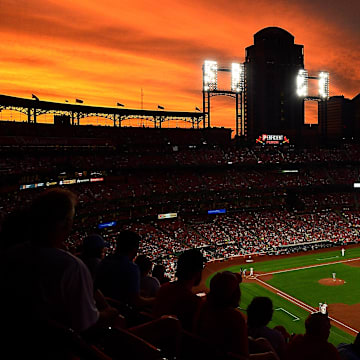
(236, 90)
(210, 75)
(324, 85)
(321, 97)
(302, 83)
(237, 77)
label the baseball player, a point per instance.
(323, 309)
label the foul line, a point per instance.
(308, 267)
(301, 304)
(332, 257)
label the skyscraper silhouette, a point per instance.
(272, 65)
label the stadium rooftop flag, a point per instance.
(118, 104)
(161, 107)
(35, 97)
(78, 101)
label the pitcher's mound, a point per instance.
(331, 282)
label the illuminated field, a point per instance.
(293, 285)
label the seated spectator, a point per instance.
(314, 344)
(259, 314)
(350, 351)
(92, 252)
(219, 320)
(176, 298)
(44, 283)
(281, 329)
(118, 277)
(159, 273)
(149, 285)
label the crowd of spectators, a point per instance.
(138, 184)
(119, 310)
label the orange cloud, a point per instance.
(107, 51)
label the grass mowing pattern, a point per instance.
(298, 284)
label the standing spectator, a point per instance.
(314, 344)
(176, 298)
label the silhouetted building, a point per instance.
(272, 65)
(340, 120)
(356, 114)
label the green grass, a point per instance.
(299, 261)
(303, 285)
(281, 317)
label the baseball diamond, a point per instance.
(298, 283)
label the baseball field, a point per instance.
(298, 283)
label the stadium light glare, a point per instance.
(302, 83)
(237, 77)
(324, 84)
(210, 75)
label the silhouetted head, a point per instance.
(318, 325)
(357, 344)
(190, 265)
(159, 273)
(225, 289)
(144, 264)
(93, 246)
(259, 312)
(51, 215)
(128, 243)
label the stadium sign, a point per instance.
(167, 216)
(108, 224)
(96, 179)
(266, 139)
(218, 211)
(31, 186)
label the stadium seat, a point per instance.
(121, 344)
(194, 347)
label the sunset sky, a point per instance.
(105, 52)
